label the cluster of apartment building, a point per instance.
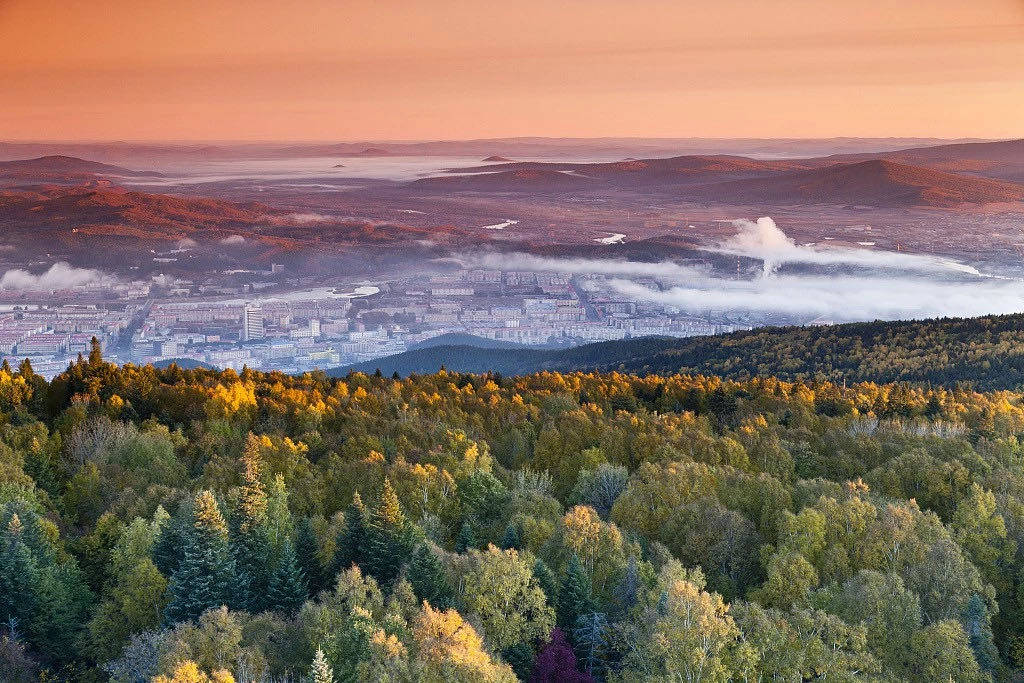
(322, 328)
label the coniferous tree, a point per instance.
(574, 595)
(205, 576)
(388, 538)
(19, 577)
(547, 581)
(466, 538)
(512, 539)
(351, 540)
(628, 589)
(307, 551)
(428, 578)
(320, 671)
(250, 541)
(288, 589)
(591, 638)
(979, 634)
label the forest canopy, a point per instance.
(985, 352)
(198, 525)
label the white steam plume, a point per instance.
(763, 240)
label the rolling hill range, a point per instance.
(937, 177)
(987, 352)
(1002, 159)
(100, 208)
(876, 182)
(63, 169)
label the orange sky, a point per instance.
(405, 69)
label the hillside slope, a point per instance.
(876, 182)
(987, 352)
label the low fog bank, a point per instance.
(872, 284)
(60, 275)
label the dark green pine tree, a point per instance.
(351, 541)
(19, 577)
(591, 637)
(466, 538)
(288, 589)
(628, 588)
(168, 545)
(205, 577)
(428, 579)
(389, 538)
(307, 550)
(547, 581)
(512, 539)
(979, 633)
(250, 537)
(521, 658)
(574, 595)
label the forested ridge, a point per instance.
(987, 352)
(195, 525)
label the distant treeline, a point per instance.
(986, 352)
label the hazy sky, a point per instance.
(405, 69)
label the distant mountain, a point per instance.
(524, 179)
(100, 208)
(735, 180)
(985, 352)
(59, 168)
(459, 339)
(633, 173)
(1003, 159)
(497, 158)
(876, 182)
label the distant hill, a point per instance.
(943, 176)
(533, 180)
(987, 352)
(460, 339)
(876, 182)
(63, 169)
(1003, 159)
(100, 208)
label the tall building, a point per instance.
(252, 323)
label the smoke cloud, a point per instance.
(60, 275)
(763, 240)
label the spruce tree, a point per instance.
(307, 550)
(574, 596)
(591, 637)
(288, 589)
(320, 671)
(388, 538)
(547, 581)
(466, 538)
(628, 588)
(205, 576)
(512, 539)
(250, 540)
(428, 579)
(351, 541)
(19, 577)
